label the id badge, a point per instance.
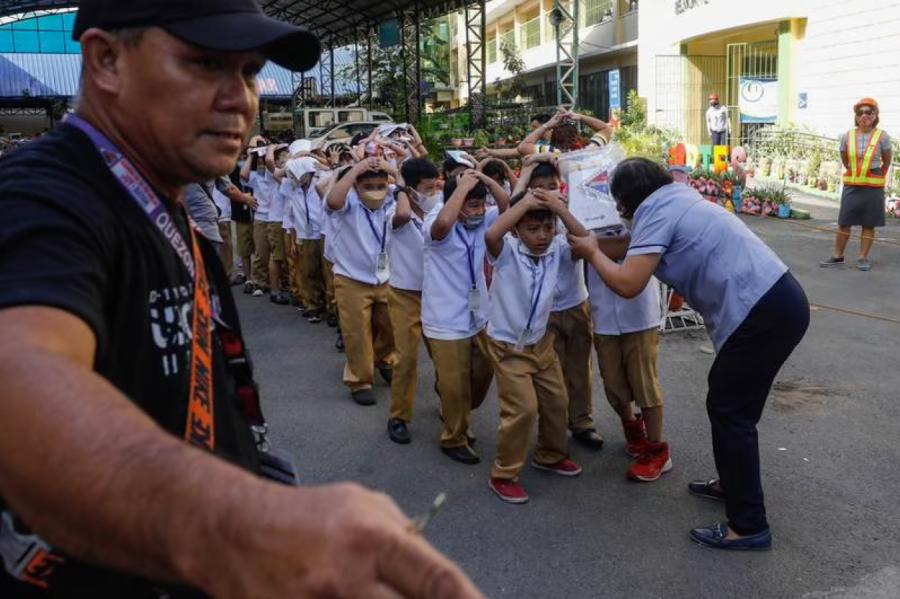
(474, 301)
(523, 337)
(381, 263)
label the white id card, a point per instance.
(381, 263)
(523, 337)
(474, 301)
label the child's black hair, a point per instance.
(450, 165)
(371, 175)
(479, 192)
(495, 169)
(541, 118)
(416, 170)
(544, 170)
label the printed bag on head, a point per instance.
(586, 173)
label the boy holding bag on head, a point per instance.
(527, 253)
(360, 204)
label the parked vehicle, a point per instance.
(342, 134)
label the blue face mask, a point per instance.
(474, 221)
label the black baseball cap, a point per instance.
(221, 25)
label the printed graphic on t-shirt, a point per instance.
(171, 325)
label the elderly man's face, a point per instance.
(188, 110)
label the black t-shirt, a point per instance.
(72, 238)
(240, 213)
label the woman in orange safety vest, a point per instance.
(866, 154)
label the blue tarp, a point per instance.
(57, 75)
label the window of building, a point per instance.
(597, 11)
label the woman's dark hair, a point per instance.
(416, 170)
(479, 192)
(541, 118)
(495, 169)
(634, 180)
(564, 137)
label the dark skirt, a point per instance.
(862, 206)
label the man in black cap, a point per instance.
(127, 454)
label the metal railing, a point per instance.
(492, 50)
(596, 11)
(531, 33)
(508, 38)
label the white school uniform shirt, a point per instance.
(263, 189)
(359, 236)
(707, 255)
(570, 288)
(223, 203)
(614, 315)
(287, 215)
(522, 290)
(448, 280)
(307, 209)
(276, 200)
(406, 247)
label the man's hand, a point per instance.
(535, 159)
(361, 546)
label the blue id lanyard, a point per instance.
(470, 254)
(537, 288)
(380, 239)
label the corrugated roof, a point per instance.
(334, 21)
(57, 75)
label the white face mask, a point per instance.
(427, 203)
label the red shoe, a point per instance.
(635, 436)
(652, 464)
(509, 491)
(564, 467)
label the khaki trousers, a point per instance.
(529, 386)
(227, 252)
(629, 368)
(311, 269)
(366, 326)
(293, 274)
(328, 272)
(464, 373)
(262, 251)
(574, 330)
(406, 317)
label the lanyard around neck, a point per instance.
(470, 254)
(383, 237)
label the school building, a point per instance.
(800, 62)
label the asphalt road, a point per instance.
(828, 441)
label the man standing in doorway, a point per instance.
(718, 123)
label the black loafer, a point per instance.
(339, 343)
(331, 321)
(463, 455)
(364, 397)
(589, 438)
(398, 431)
(715, 536)
(707, 489)
(387, 374)
(279, 298)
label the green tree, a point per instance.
(514, 86)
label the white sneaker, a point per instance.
(258, 293)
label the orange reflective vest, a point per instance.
(860, 171)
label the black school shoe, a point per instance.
(589, 438)
(463, 455)
(313, 318)
(364, 397)
(332, 321)
(707, 489)
(398, 431)
(279, 298)
(387, 374)
(714, 536)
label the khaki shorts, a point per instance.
(276, 241)
(244, 235)
(628, 367)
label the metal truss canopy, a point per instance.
(336, 22)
